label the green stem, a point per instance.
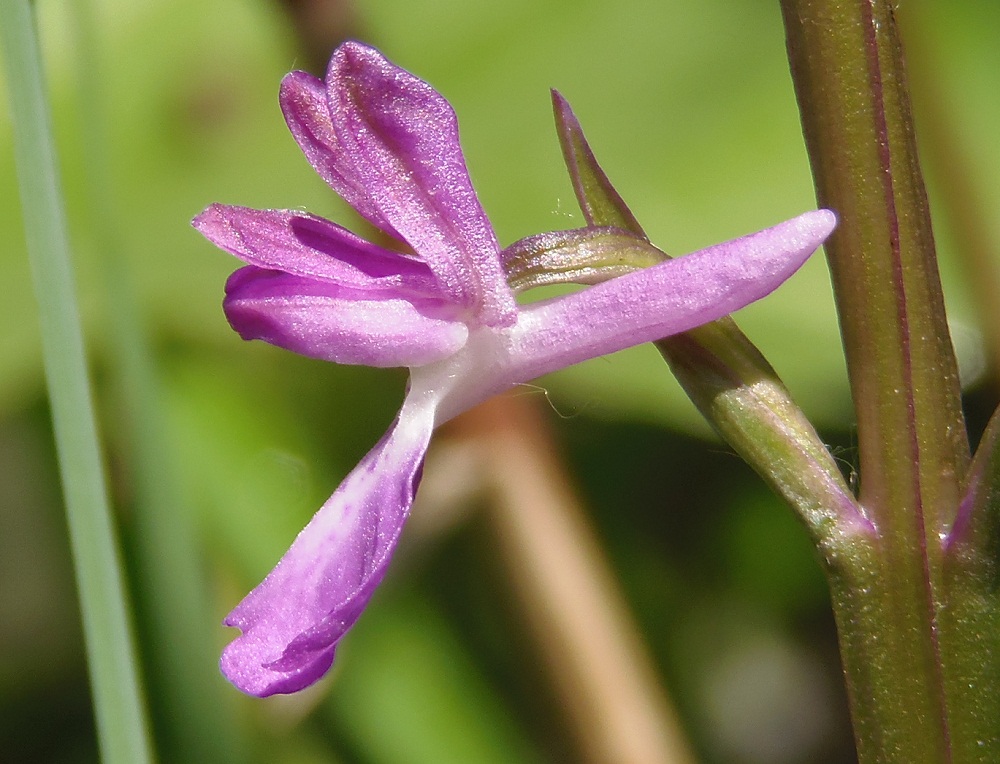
(741, 396)
(118, 703)
(847, 65)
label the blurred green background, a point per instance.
(689, 107)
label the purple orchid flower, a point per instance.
(388, 144)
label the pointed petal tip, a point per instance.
(789, 244)
(802, 235)
(206, 218)
(566, 120)
(562, 109)
(298, 90)
(298, 78)
(821, 222)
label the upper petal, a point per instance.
(402, 138)
(324, 320)
(307, 113)
(306, 245)
(294, 619)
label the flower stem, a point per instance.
(118, 703)
(847, 65)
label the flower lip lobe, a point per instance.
(294, 619)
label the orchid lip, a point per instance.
(293, 620)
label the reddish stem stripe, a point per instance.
(892, 215)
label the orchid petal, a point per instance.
(293, 620)
(306, 245)
(323, 320)
(388, 144)
(402, 136)
(671, 297)
(307, 113)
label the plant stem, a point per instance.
(118, 703)
(847, 64)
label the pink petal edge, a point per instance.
(293, 620)
(306, 245)
(307, 113)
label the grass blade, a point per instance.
(118, 703)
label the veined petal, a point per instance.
(323, 320)
(665, 299)
(306, 245)
(402, 137)
(307, 113)
(293, 620)
(671, 297)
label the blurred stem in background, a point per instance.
(916, 618)
(600, 670)
(118, 703)
(177, 628)
(952, 163)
